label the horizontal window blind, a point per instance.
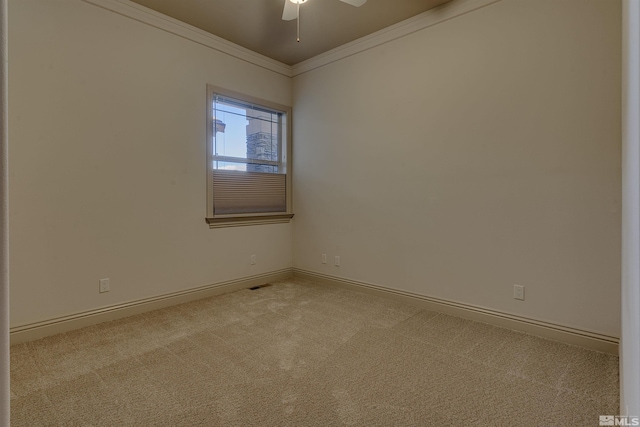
(221, 100)
(238, 192)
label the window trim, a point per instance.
(234, 220)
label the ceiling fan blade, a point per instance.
(356, 3)
(290, 11)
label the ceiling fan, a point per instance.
(292, 10)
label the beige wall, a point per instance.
(107, 128)
(5, 392)
(454, 162)
(630, 340)
(470, 156)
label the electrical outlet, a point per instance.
(336, 261)
(518, 292)
(253, 259)
(104, 286)
(324, 258)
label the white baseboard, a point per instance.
(591, 340)
(58, 325)
(548, 330)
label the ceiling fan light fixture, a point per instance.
(292, 10)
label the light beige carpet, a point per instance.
(300, 354)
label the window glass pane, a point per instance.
(262, 139)
(245, 167)
(246, 131)
(230, 135)
(230, 166)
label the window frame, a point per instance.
(285, 149)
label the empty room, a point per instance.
(320, 212)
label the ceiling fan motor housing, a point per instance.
(291, 7)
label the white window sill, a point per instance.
(238, 221)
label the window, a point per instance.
(248, 168)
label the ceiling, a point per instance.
(258, 25)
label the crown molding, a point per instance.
(165, 23)
(419, 22)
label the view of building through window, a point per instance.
(246, 138)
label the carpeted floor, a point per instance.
(299, 354)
